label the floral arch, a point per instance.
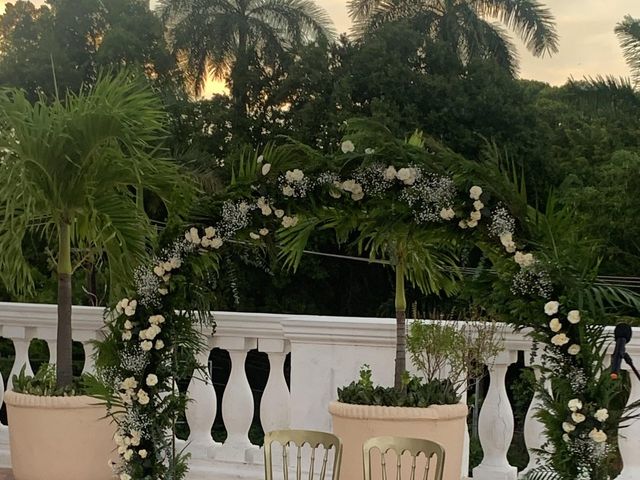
(410, 203)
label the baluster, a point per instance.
(275, 406)
(53, 351)
(201, 410)
(629, 439)
(533, 428)
(496, 424)
(237, 403)
(89, 361)
(21, 339)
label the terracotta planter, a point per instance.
(354, 424)
(59, 438)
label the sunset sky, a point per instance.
(588, 46)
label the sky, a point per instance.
(588, 46)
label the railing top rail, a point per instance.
(372, 331)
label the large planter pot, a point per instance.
(355, 424)
(59, 438)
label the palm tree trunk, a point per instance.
(401, 334)
(63, 368)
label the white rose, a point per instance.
(447, 213)
(266, 168)
(334, 193)
(347, 146)
(146, 346)
(128, 384)
(167, 266)
(578, 417)
(279, 213)
(295, 175)
(120, 306)
(152, 380)
(289, 221)
(560, 339)
(475, 192)
(555, 325)
(195, 237)
(475, 215)
(574, 349)
(472, 223)
(506, 238)
(357, 196)
(136, 437)
(142, 453)
(349, 185)
(254, 236)
(128, 325)
(575, 405)
(125, 476)
(602, 415)
(264, 232)
(156, 319)
(288, 191)
(574, 316)
(598, 436)
(551, 308)
(127, 335)
(369, 151)
(163, 291)
(166, 278)
(566, 438)
(128, 454)
(216, 243)
(390, 173)
(159, 344)
(568, 427)
(209, 232)
(143, 397)
(478, 205)
(260, 158)
(407, 175)
(206, 243)
(463, 224)
(266, 210)
(524, 259)
(130, 309)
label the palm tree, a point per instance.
(628, 32)
(471, 28)
(70, 171)
(221, 38)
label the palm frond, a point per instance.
(628, 32)
(532, 21)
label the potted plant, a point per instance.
(448, 355)
(73, 173)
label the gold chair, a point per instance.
(399, 445)
(286, 438)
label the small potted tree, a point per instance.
(72, 169)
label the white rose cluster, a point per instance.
(210, 239)
(126, 306)
(354, 188)
(288, 222)
(474, 217)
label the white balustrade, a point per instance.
(629, 438)
(237, 402)
(495, 424)
(326, 353)
(201, 409)
(275, 406)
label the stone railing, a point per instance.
(326, 353)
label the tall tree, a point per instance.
(471, 28)
(224, 38)
(628, 32)
(77, 38)
(70, 169)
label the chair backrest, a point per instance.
(297, 438)
(399, 445)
